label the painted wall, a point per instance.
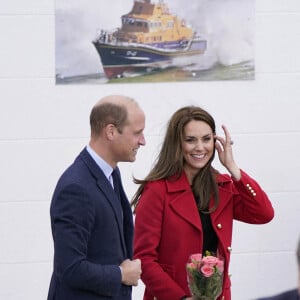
(44, 126)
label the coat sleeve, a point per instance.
(148, 226)
(251, 203)
(72, 216)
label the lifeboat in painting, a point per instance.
(150, 38)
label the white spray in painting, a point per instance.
(77, 23)
(228, 27)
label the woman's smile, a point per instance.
(197, 146)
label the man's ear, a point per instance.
(110, 131)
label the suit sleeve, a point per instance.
(251, 203)
(72, 215)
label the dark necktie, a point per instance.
(116, 183)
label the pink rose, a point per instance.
(207, 270)
(191, 266)
(196, 257)
(210, 260)
(220, 265)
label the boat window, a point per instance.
(155, 24)
(170, 24)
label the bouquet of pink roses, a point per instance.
(205, 276)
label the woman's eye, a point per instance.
(194, 140)
(189, 140)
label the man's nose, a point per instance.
(142, 140)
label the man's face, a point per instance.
(132, 137)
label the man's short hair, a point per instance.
(107, 113)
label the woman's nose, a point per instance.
(199, 145)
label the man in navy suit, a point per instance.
(290, 294)
(91, 218)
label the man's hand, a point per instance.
(131, 271)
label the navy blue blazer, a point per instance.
(92, 232)
(288, 295)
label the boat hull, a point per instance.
(120, 59)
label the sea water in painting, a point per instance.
(117, 41)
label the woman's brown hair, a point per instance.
(170, 159)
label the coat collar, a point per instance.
(184, 203)
(180, 183)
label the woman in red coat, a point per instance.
(184, 206)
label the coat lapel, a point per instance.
(224, 195)
(184, 203)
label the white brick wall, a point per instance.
(43, 127)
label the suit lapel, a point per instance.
(127, 214)
(108, 192)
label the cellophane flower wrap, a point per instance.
(205, 276)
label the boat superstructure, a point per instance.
(149, 37)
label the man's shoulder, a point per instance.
(75, 172)
(287, 295)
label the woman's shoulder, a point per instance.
(223, 178)
(156, 183)
(172, 182)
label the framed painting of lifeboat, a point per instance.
(116, 41)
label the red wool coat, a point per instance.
(168, 229)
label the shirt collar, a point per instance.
(102, 164)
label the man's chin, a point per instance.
(131, 159)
